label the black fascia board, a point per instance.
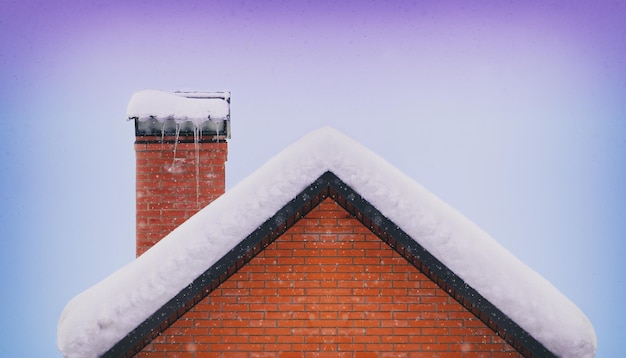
(428, 264)
(207, 130)
(328, 185)
(219, 272)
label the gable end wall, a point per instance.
(328, 285)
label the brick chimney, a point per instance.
(181, 151)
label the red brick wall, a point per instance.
(328, 288)
(168, 191)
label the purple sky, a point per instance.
(512, 112)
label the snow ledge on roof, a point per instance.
(102, 315)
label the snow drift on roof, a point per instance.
(196, 107)
(101, 316)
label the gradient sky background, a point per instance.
(513, 112)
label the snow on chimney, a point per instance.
(181, 150)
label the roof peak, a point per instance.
(99, 317)
(329, 186)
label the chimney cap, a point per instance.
(165, 113)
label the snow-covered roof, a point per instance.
(195, 107)
(104, 314)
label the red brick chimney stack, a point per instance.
(181, 151)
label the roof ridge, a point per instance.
(328, 185)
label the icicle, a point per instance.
(176, 141)
(217, 132)
(196, 140)
(162, 134)
(175, 168)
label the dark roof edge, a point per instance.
(328, 185)
(428, 264)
